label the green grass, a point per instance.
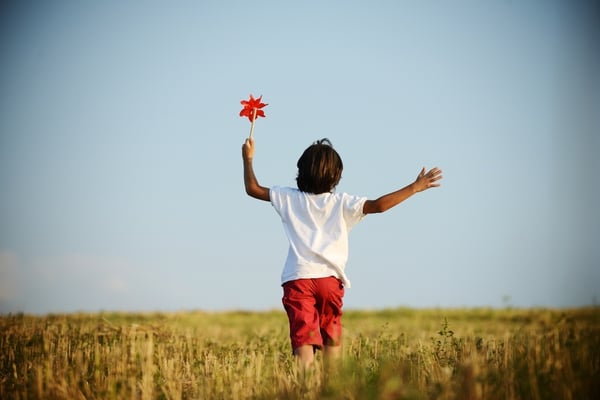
(387, 354)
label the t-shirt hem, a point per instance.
(316, 276)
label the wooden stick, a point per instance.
(252, 126)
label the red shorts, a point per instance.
(314, 308)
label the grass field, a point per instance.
(387, 354)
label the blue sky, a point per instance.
(120, 150)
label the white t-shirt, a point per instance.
(317, 227)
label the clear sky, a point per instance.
(120, 149)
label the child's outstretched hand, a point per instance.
(428, 179)
(248, 149)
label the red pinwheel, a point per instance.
(252, 109)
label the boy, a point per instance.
(317, 222)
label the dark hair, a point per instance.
(319, 168)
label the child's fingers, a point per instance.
(435, 177)
(434, 172)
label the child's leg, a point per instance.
(330, 313)
(332, 353)
(332, 356)
(305, 354)
(298, 301)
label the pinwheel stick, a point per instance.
(252, 125)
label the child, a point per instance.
(317, 221)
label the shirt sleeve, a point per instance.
(276, 198)
(353, 209)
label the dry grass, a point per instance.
(389, 354)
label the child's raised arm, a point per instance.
(424, 181)
(250, 182)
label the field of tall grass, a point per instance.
(387, 354)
